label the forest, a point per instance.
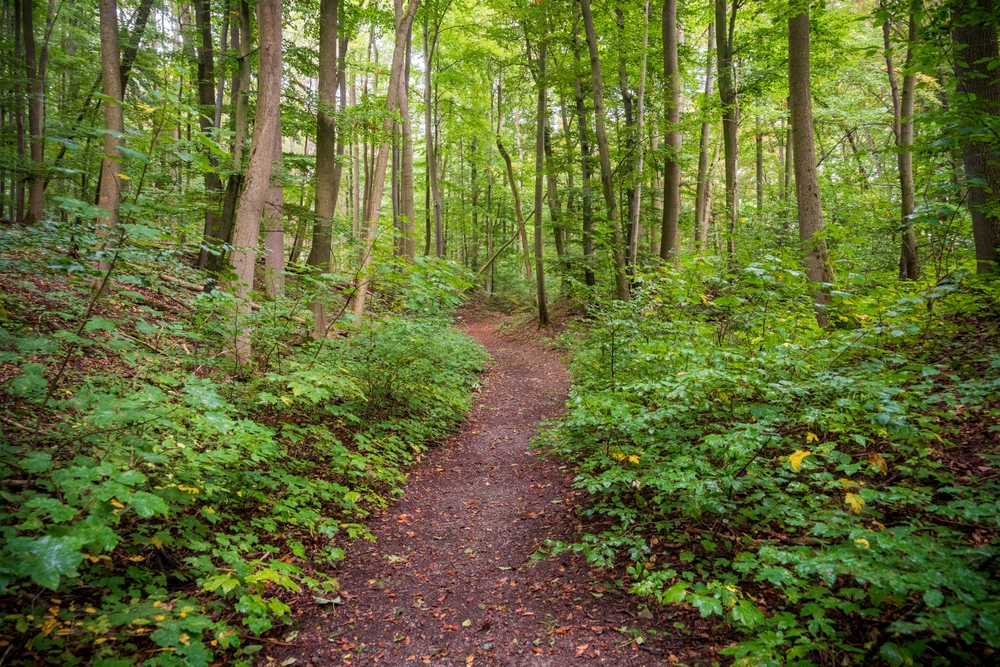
(262, 261)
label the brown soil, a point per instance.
(450, 580)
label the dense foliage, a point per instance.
(156, 501)
(829, 493)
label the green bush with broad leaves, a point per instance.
(158, 501)
(830, 494)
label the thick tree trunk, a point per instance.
(706, 135)
(114, 126)
(627, 166)
(542, 121)
(607, 177)
(725, 26)
(266, 126)
(326, 141)
(588, 199)
(672, 169)
(806, 177)
(274, 223)
(378, 173)
(17, 183)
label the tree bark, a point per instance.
(902, 129)
(114, 127)
(326, 139)
(35, 66)
(432, 161)
(206, 122)
(588, 199)
(378, 173)
(607, 177)
(725, 26)
(635, 224)
(267, 124)
(672, 168)
(759, 142)
(407, 206)
(806, 177)
(274, 223)
(706, 135)
(542, 121)
(518, 211)
(627, 166)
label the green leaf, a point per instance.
(36, 462)
(895, 655)
(147, 504)
(95, 323)
(933, 598)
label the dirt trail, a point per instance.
(450, 580)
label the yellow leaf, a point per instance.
(811, 437)
(286, 400)
(848, 483)
(861, 542)
(855, 501)
(135, 559)
(633, 458)
(124, 177)
(878, 525)
(876, 460)
(239, 493)
(116, 503)
(185, 639)
(797, 457)
(209, 510)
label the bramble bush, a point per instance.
(831, 494)
(157, 500)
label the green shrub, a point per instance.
(800, 476)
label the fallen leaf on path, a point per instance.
(581, 649)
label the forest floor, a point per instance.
(450, 580)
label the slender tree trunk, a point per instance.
(432, 160)
(806, 177)
(706, 135)
(725, 26)
(588, 200)
(542, 121)
(114, 127)
(672, 95)
(378, 184)
(407, 206)
(35, 66)
(206, 122)
(627, 166)
(220, 89)
(518, 211)
(635, 225)
(902, 127)
(555, 204)
(607, 178)
(17, 185)
(356, 177)
(759, 141)
(657, 186)
(267, 124)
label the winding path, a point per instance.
(450, 580)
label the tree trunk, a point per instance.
(114, 127)
(326, 143)
(759, 141)
(555, 204)
(654, 236)
(432, 162)
(378, 173)
(672, 169)
(407, 206)
(635, 225)
(724, 28)
(902, 128)
(706, 135)
(975, 36)
(627, 166)
(17, 183)
(518, 211)
(588, 200)
(806, 177)
(607, 177)
(267, 124)
(35, 66)
(206, 122)
(274, 223)
(542, 121)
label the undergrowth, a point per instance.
(157, 501)
(830, 495)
